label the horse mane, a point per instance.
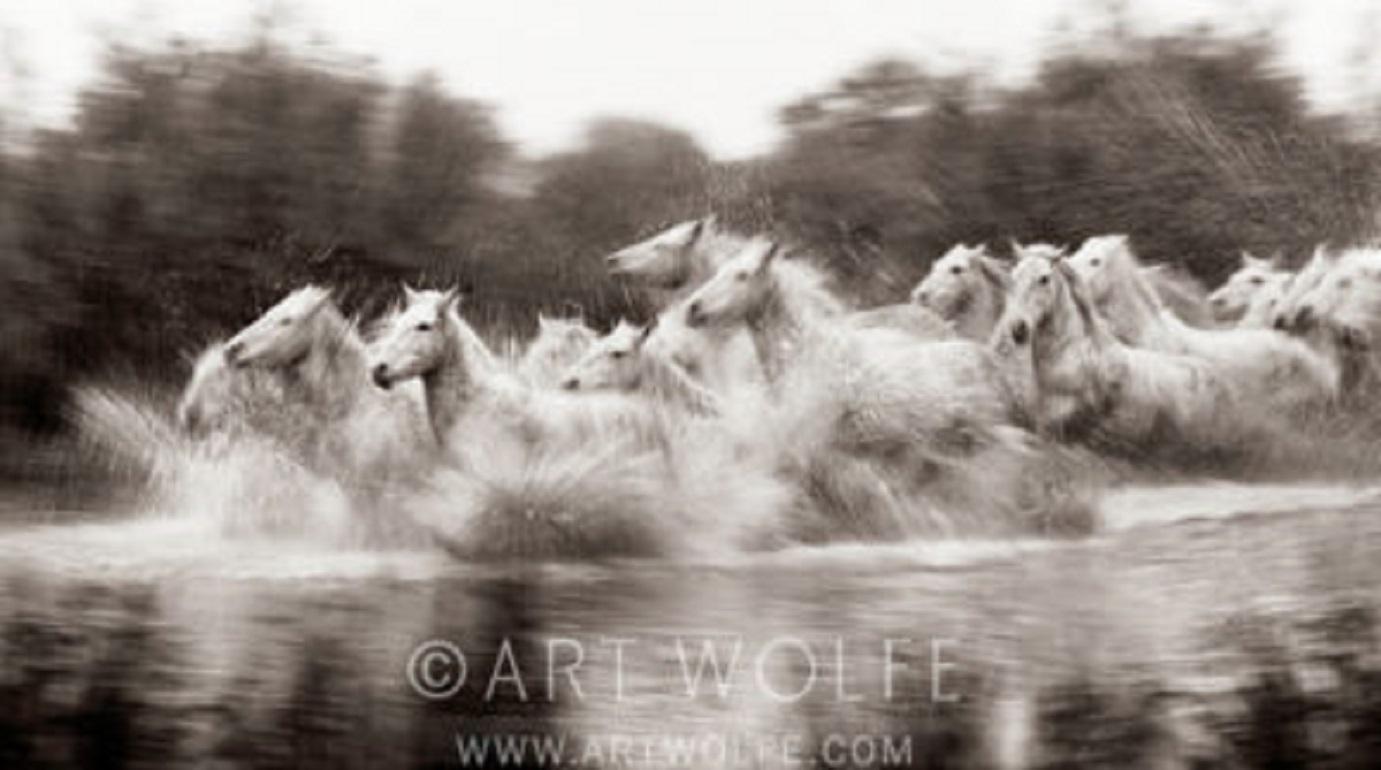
(478, 355)
(805, 287)
(714, 246)
(1178, 283)
(665, 381)
(1075, 290)
(334, 372)
(342, 335)
(1127, 274)
(999, 281)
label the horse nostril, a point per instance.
(1280, 324)
(233, 351)
(693, 314)
(922, 297)
(380, 375)
(1020, 332)
(571, 384)
(1217, 301)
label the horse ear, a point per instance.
(319, 296)
(647, 331)
(409, 294)
(774, 250)
(450, 299)
(696, 230)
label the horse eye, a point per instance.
(286, 322)
(742, 276)
(957, 270)
(1095, 262)
(1045, 279)
(424, 327)
(1257, 280)
(617, 354)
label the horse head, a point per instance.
(284, 334)
(738, 290)
(417, 339)
(611, 362)
(1231, 301)
(958, 279)
(663, 260)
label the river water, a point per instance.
(1206, 625)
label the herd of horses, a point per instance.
(960, 396)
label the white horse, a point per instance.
(677, 259)
(1269, 365)
(1090, 383)
(1231, 301)
(620, 361)
(428, 340)
(321, 361)
(1347, 295)
(891, 388)
(968, 288)
(1342, 317)
(560, 342)
(669, 265)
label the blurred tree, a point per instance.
(628, 175)
(442, 151)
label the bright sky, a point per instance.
(719, 68)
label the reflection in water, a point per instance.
(1238, 642)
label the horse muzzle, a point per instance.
(1021, 332)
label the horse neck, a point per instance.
(1073, 342)
(710, 251)
(777, 329)
(1134, 311)
(666, 381)
(476, 348)
(332, 377)
(984, 312)
(452, 385)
